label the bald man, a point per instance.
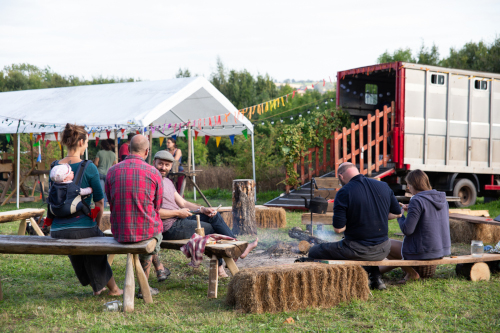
(362, 209)
(134, 189)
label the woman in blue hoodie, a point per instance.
(426, 226)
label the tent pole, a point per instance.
(18, 167)
(150, 143)
(192, 158)
(87, 153)
(253, 164)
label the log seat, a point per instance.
(88, 246)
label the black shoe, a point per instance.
(162, 274)
(377, 283)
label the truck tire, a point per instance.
(466, 191)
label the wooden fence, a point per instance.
(351, 146)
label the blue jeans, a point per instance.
(102, 180)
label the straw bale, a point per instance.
(105, 223)
(267, 217)
(465, 232)
(296, 286)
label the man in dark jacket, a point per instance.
(362, 209)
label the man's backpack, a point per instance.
(64, 199)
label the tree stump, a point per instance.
(244, 222)
(478, 271)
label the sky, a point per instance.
(291, 39)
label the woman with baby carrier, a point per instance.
(89, 269)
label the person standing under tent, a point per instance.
(89, 269)
(177, 154)
(124, 149)
(104, 159)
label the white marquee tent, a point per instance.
(163, 105)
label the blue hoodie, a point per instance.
(426, 227)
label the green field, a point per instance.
(42, 294)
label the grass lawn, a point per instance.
(41, 293)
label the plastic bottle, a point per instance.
(113, 306)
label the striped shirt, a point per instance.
(134, 190)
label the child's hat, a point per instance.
(60, 172)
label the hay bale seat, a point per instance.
(296, 286)
(465, 228)
(266, 217)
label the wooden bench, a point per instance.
(88, 246)
(227, 250)
(319, 220)
(21, 215)
(474, 268)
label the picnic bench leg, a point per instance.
(22, 228)
(129, 287)
(231, 265)
(143, 280)
(111, 257)
(213, 278)
(36, 227)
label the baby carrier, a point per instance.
(65, 200)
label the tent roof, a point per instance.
(131, 105)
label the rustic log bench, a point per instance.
(471, 267)
(21, 215)
(227, 250)
(88, 246)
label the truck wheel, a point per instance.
(466, 191)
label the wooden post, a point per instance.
(35, 226)
(336, 139)
(22, 226)
(189, 138)
(7, 185)
(129, 287)
(361, 148)
(150, 144)
(116, 146)
(344, 144)
(353, 144)
(199, 230)
(231, 265)
(369, 126)
(143, 281)
(384, 148)
(244, 222)
(111, 257)
(15, 189)
(213, 277)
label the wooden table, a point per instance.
(227, 250)
(21, 215)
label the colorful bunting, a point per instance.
(118, 140)
(8, 137)
(245, 133)
(206, 139)
(39, 158)
(161, 140)
(31, 136)
(55, 134)
(60, 148)
(174, 137)
(217, 140)
(43, 136)
(96, 141)
(47, 143)
(231, 137)
(36, 144)
(185, 133)
(108, 133)
(195, 135)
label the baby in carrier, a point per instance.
(65, 196)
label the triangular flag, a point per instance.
(174, 137)
(38, 137)
(123, 130)
(282, 102)
(324, 82)
(31, 136)
(39, 159)
(145, 129)
(226, 115)
(195, 135)
(59, 145)
(312, 85)
(43, 136)
(220, 122)
(55, 134)
(210, 121)
(217, 140)
(8, 137)
(108, 133)
(185, 133)
(161, 140)
(245, 133)
(267, 106)
(93, 134)
(118, 140)
(96, 141)
(278, 102)
(137, 132)
(47, 143)
(293, 94)
(206, 139)
(36, 144)
(231, 137)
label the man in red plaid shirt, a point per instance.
(134, 190)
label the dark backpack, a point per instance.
(65, 200)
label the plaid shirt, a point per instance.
(134, 190)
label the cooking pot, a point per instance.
(317, 205)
